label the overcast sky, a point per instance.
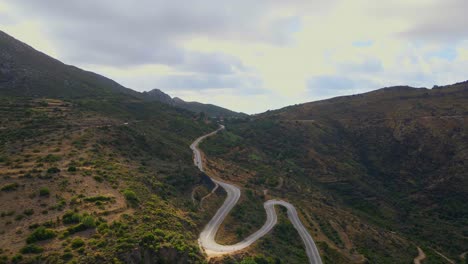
(251, 55)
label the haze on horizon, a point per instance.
(251, 56)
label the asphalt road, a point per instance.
(207, 237)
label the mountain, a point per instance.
(25, 71)
(208, 109)
(160, 96)
(374, 174)
(90, 171)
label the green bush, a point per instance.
(102, 228)
(17, 258)
(10, 187)
(41, 233)
(31, 249)
(51, 158)
(97, 198)
(28, 212)
(67, 256)
(77, 242)
(44, 191)
(71, 218)
(98, 178)
(76, 228)
(53, 170)
(71, 168)
(19, 217)
(131, 197)
(248, 261)
(88, 221)
(8, 213)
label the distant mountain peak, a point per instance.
(26, 72)
(178, 100)
(209, 109)
(158, 95)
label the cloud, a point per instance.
(363, 43)
(370, 65)
(332, 85)
(271, 53)
(428, 20)
(198, 82)
(148, 31)
(214, 63)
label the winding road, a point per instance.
(207, 237)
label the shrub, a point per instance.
(77, 243)
(8, 213)
(17, 258)
(67, 256)
(53, 170)
(31, 249)
(10, 187)
(102, 228)
(28, 212)
(76, 228)
(60, 204)
(71, 218)
(97, 198)
(44, 191)
(98, 178)
(41, 233)
(19, 217)
(88, 221)
(248, 261)
(71, 168)
(131, 196)
(51, 158)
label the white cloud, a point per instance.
(223, 50)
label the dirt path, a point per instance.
(445, 257)
(421, 256)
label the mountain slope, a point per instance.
(91, 172)
(208, 109)
(392, 160)
(27, 72)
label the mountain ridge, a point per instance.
(393, 159)
(25, 71)
(209, 109)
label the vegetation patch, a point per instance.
(10, 187)
(31, 249)
(41, 233)
(99, 198)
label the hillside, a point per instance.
(376, 173)
(209, 109)
(25, 71)
(89, 171)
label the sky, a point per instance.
(251, 56)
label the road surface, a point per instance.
(207, 237)
(421, 256)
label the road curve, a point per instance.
(207, 237)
